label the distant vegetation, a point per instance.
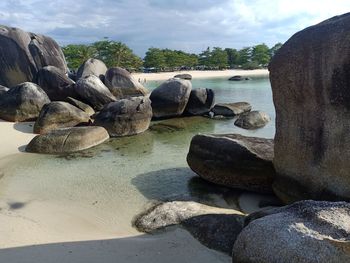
(117, 54)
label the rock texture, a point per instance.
(125, 117)
(200, 102)
(183, 76)
(233, 160)
(231, 109)
(22, 103)
(252, 120)
(22, 54)
(67, 140)
(3, 90)
(310, 78)
(92, 66)
(170, 98)
(92, 91)
(59, 114)
(81, 105)
(304, 232)
(55, 83)
(122, 84)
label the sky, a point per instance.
(189, 25)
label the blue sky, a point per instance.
(190, 25)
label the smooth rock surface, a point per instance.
(304, 232)
(310, 79)
(252, 120)
(233, 160)
(125, 117)
(231, 109)
(59, 114)
(201, 101)
(170, 98)
(122, 84)
(81, 105)
(22, 103)
(67, 140)
(92, 66)
(23, 54)
(92, 91)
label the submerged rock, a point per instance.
(92, 66)
(231, 109)
(81, 105)
(201, 101)
(23, 54)
(67, 140)
(183, 76)
(122, 84)
(234, 161)
(92, 91)
(310, 79)
(126, 117)
(252, 120)
(59, 114)
(22, 103)
(170, 98)
(307, 231)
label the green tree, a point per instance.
(261, 54)
(77, 54)
(232, 56)
(244, 55)
(218, 58)
(155, 59)
(274, 49)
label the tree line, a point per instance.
(117, 54)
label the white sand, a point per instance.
(201, 74)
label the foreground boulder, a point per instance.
(252, 120)
(307, 231)
(22, 103)
(3, 90)
(183, 76)
(68, 140)
(59, 114)
(125, 117)
(170, 98)
(122, 84)
(81, 105)
(234, 161)
(200, 102)
(92, 91)
(23, 54)
(217, 228)
(231, 109)
(55, 83)
(310, 83)
(92, 66)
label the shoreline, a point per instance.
(201, 74)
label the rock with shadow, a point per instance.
(252, 120)
(201, 101)
(231, 109)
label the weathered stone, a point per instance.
(307, 231)
(200, 102)
(238, 78)
(92, 66)
(22, 103)
(122, 84)
(59, 114)
(252, 120)
(183, 76)
(310, 79)
(233, 160)
(231, 109)
(23, 54)
(81, 105)
(92, 91)
(170, 98)
(126, 117)
(55, 83)
(67, 140)
(3, 90)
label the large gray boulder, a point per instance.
(55, 83)
(59, 114)
(200, 102)
(234, 161)
(23, 54)
(92, 66)
(67, 140)
(252, 120)
(170, 98)
(304, 232)
(122, 84)
(92, 91)
(81, 105)
(125, 117)
(311, 91)
(22, 102)
(3, 90)
(231, 109)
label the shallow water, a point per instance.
(114, 181)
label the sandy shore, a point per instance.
(196, 74)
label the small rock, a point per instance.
(252, 120)
(183, 76)
(238, 78)
(231, 109)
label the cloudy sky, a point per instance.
(190, 25)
